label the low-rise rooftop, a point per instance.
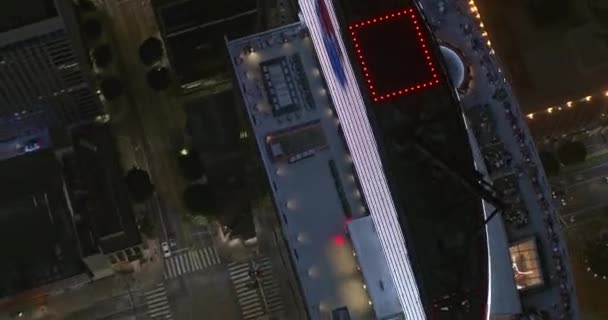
(308, 165)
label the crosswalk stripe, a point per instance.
(156, 295)
(187, 263)
(207, 258)
(216, 255)
(212, 256)
(191, 261)
(168, 267)
(156, 290)
(197, 265)
(157, 302)
(176, 266)
(160, 308)
(182, 264)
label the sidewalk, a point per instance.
(105, 289)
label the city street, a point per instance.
(154, 121)
(582, 197)
(585, 193)
(207, 294)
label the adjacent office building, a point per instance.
(44, 75)
(193, 33)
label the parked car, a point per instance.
(166, 249)
(31, 145)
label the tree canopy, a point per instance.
(102, 55)
(92, 28)
(151, 51)
(572, 152)
(201, 200)
(158, 78)
(111, 88)
(139, 184)
(191, 166)
(596, 256)
(86, 5)
(550, 163)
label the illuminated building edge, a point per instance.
(358, 133)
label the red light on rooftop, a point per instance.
(339, 240)
(365, 40)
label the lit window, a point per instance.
(526, 264)
(243, 135)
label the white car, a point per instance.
(166, 250)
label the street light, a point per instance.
(184, 152)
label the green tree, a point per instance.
(550, 163)
(102, 55)
(86, 5)
(572, 152)
(139, 184)
(151, 51)
(596, 256)
(201, 200)
(191, 166)
(92, 28)
(158, 78)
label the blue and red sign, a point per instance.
(330, 40)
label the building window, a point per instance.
(526, 264)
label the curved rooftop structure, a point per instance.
(455, 65)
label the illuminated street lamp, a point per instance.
(184, 152)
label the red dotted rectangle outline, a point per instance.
(378, 96)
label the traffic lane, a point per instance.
(106, 309)
(157, 110)
(581, 176)
(587, 195)
(204, 295)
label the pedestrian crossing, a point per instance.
(252, 293)
(157, 302)
(190, 261)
